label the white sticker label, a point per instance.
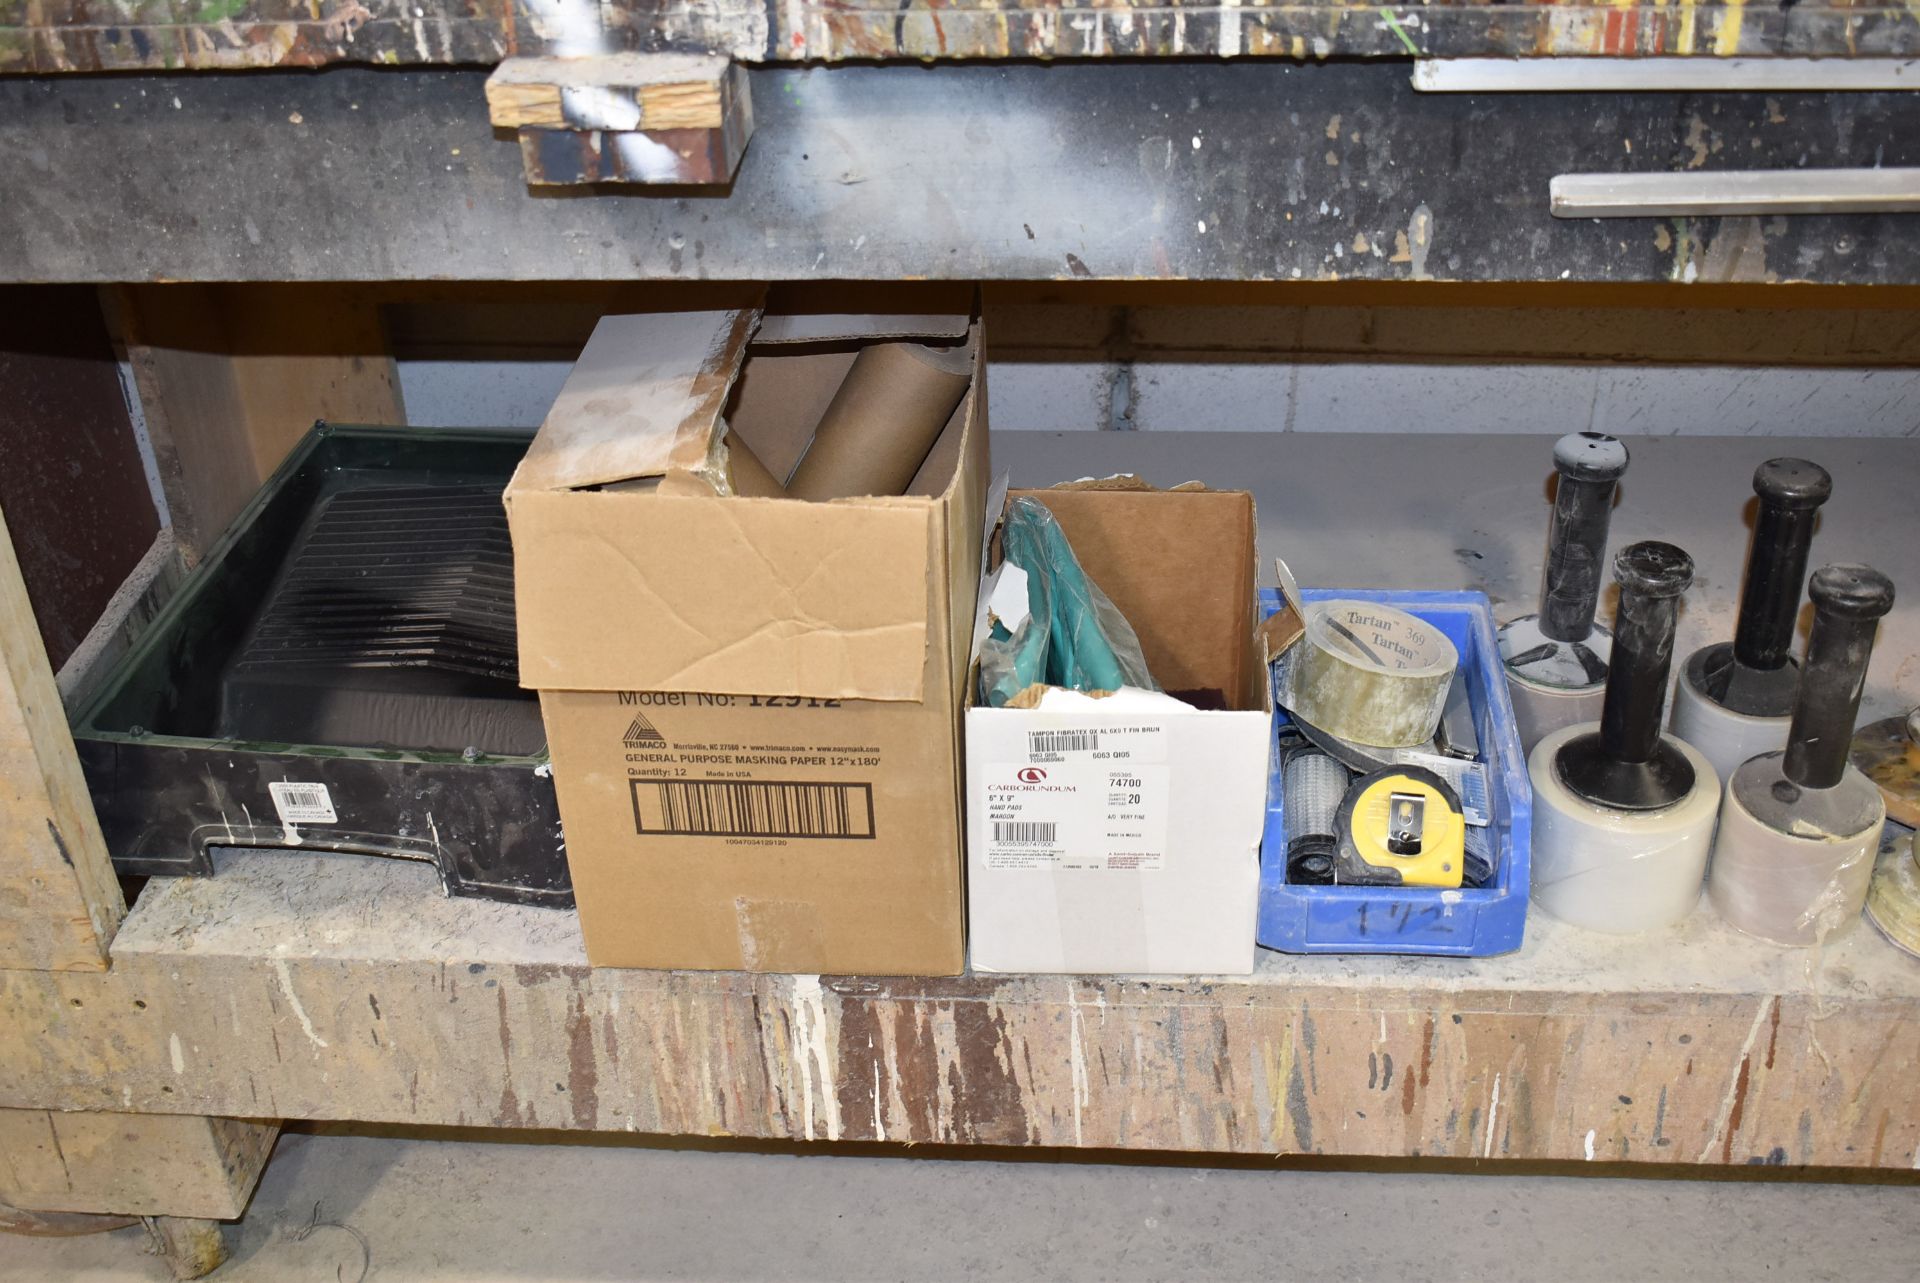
(1008, 602)
(1089, 796)
(1469, 780)
(1095, 740)
(302, 803)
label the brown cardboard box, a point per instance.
(752, 703)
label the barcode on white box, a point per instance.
(1041, 742)
(752, 809)
(1026, 832)
(302, 803)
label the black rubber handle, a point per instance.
(1590, 465)
(1847, 604)
(1791, 492)
(1652, 576)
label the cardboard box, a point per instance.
(1123, 836)
(752, 703)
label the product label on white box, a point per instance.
(1086, 797)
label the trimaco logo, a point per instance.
(642, 734)
(1032, 775)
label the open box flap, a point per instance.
(643, 400)
(748, 606)
(1180, 566)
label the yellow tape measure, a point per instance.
(1402, 826)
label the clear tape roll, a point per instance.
(1893, 898)
(1620, 872)
(1789, 888)
(1369, 673)
(1726, 738)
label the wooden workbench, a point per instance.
(295, 986)
(320, 987)
(145, 1064)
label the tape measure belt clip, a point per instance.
(1408, 823)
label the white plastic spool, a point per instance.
(1539, 711)
(1726, 738)
(1791, 888)
(1548, 695)
(1620, 872)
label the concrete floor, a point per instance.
(448, 1207)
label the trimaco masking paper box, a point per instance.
(752, 703)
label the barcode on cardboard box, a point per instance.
(1039, 742)
(752, 809)
(1025, 832)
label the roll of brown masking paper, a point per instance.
(749, 475)
(883, 421)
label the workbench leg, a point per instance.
(59, 902)
(131, 1164)
(193, 1248)
(59, 906)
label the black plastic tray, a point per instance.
(168, 788)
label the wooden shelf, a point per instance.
(326, 987)
(309, 986)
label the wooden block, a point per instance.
(564, 158)
(620, 92)
(131, 1164)
(230, 377)
(624, 118)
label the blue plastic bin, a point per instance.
(1471, 922)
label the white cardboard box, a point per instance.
(1122, 835)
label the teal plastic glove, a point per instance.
(1074, 636)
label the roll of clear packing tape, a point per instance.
(1726, 738)
(1791, 888)
(1369, 673)
(1893, 898)
(1618, 871)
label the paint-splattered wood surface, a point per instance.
(131, 1164)
(319, 987)
(1180, 170)
(94, 35)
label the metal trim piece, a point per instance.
(1753, 191)
(1655, 75)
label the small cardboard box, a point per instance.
(752, 703)
(1123, 836)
